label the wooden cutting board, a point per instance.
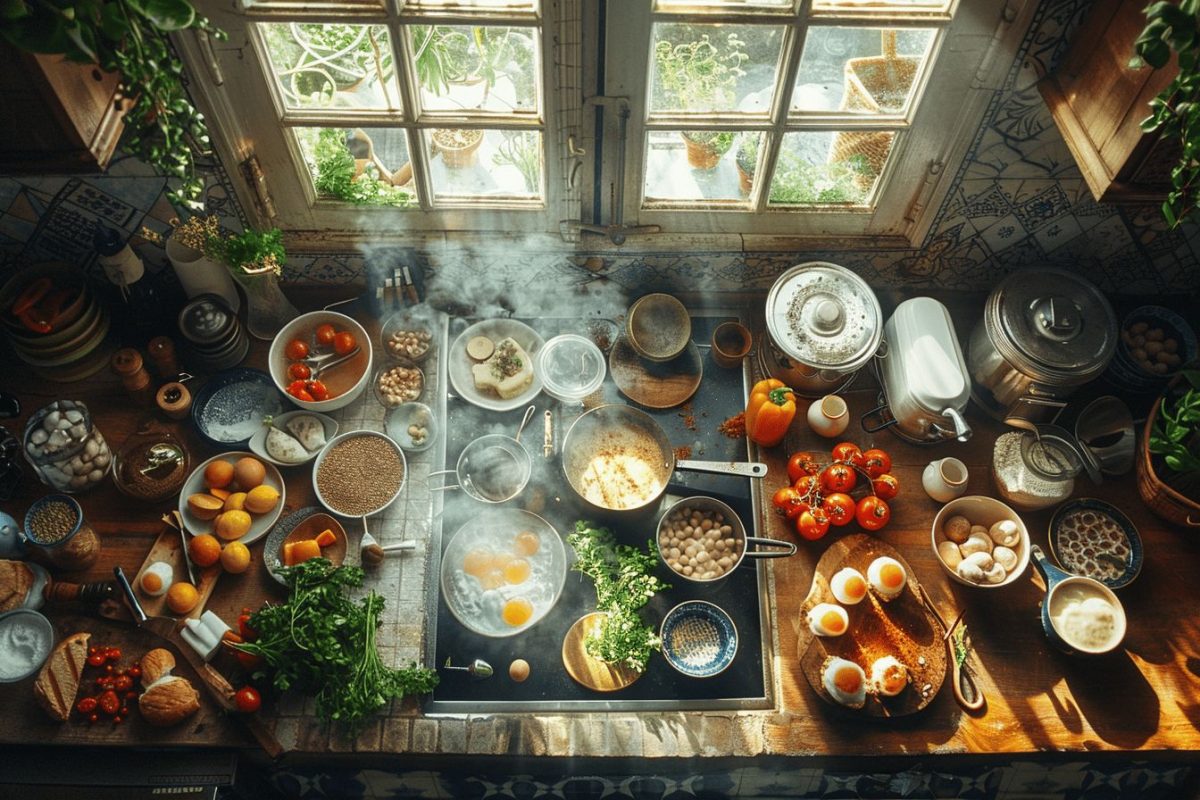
(655, 384)
(592, 673)
(902, 628)
(168, 547)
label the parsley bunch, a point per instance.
(624, 585)
(322, 643)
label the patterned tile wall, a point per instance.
(1018, 201)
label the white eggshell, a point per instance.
(957, 529)
(977, 543)
(981, 559)
(1005, 532)
(1005, 557)
(971, 572)
(979, 529)
(996, 574)
(949, 553)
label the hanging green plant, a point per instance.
(128, 37)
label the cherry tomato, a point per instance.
(802, 463)
(97, 659)
(135, 671)
(873, 513)
(94, 718)
(248, 660)
(248, 699)
(885, 486)
(788, 502)
(344, 342)
(86, 705)
(247, 633)
(124, 713)
(116, 720)
(325, 334)
(109, 703)
(848, 453)
(113, 653)
(304, 395)
(299, 371)
(123, 683)
(317, 390)
(296, 350)
(812, 524)
(876, 462)
(839, 507)
(806, 485)
(838, 478)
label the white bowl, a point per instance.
(984, 511)
(338, 440)
(303, 327)
(258, 442)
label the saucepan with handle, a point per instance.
(493, 468)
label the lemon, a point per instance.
(235, 502)
(235, 557)
(261, 499)
(233, 524)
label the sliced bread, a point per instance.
(58, 682)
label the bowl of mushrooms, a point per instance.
(980, 542)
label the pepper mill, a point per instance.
(162, 356)
(174, 400)
(127, 363)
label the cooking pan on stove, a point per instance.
(619, 461)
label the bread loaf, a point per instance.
(156, 664)
(16, 579)
(168, 699)
(58, 682)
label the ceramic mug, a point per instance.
(1064, 590)
(829, 416)
(730, 344)
(945, 479)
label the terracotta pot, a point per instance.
(745, 180)
(701, 155)
(458, 156)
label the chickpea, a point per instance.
(698, 544)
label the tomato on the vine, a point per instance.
(248, 699)
(296, 350)
(802, 463)
(873, 513)
(876, 462)
(848, 453)
(886, 486)
(344, 342)
(805, 485)
(838, 478)
(839, 507)
(788, 502)
(812, 524)
(325, 334)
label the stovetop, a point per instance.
(744, 685)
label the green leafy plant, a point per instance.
(800, 182)
(1175, 112)
(322, 643)
(520, 150)
(334, 176)
(445, 56)
(128, 37)
(624, 585)
(698, 75)
(1175, 437)
(250, 252)
(315, 60)
(747, 152)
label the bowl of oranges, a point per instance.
(232, 497)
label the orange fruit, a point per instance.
(304, 550)
(233, 524)
(261, 499)
(221, 494)
(249, 472)
(218, 474)
(326, 538)
(182, 597)
(235, 557)
(235, 502)
(204, 550)
(204, 506)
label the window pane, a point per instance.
(470, 5)
(692, 165)
(476, 67)
(883, 6)
(829, 168)
(860, 70)
(714, 67)
(278, 6)
(364, 166)
(491, 163)
(724, 5)
(323, 65)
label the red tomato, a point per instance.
(317, 390)
(806, 485)
(296, 350)
(97, 659)
(325, 334)
(299, 371)
(839, 507)
(802, 463)
(247, 660)
(886, 486)
(248, 699)
(86, 705)
(876, 462)
(344, 342)
(848, 453)
(838, 478)
(109, 703)
(873, 513)
(812, 525)
(788, 502)
(123, 683)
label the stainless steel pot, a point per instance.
(619, 461)
(1043, 334)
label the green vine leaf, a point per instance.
(166, 15)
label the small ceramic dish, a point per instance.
(28, 639)
(658, 327)
(308, 528)
(985, 511)
(404, 416)
(699, 639)
(396, 399)
(459, 364)
(261, 523)
(334, 444)
(1129, 366)
(395, 328)
(228, 409)
(1095, 539)
(258, 442)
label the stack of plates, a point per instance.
(74, 347)
(216, 340)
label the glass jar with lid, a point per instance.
(65, 447)
(1035, 470)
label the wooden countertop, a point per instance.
(1145, 698)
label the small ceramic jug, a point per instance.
(828, 416)
(945, 479)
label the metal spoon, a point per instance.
(372, 552)
(479, 669)
(327, 361)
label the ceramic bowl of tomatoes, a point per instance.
(315, 338)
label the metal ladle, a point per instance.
(478, 669)
(372, 552)
(327, 361)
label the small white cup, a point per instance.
(829, 416)
(945, 479)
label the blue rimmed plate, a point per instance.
(1095, 539)
(699, 639)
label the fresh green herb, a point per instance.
(250, 252)
(322, 643)
(624, 585)
(1176, 436)
(962, 644)
(334, 175)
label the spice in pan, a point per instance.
(734, 427)
(683, 453)
(359, 475)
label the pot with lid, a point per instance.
(1043, 334)
(823, 325)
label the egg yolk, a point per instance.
(516, 571)
(891, 576)
(832, 622)
(517, 611)
(894, 679)
(151, 582)
(477, 562)
(847, 680)
(855, 587)
(527, 543)
(492, 579)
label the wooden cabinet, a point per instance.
(59, 116)
(1098, 102)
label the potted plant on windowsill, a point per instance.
(746, 160)
(323, 60)
(700, 76)
(800, 182)
(1168, 466)
(457, 146)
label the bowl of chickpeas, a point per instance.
(703, 540)
(1155, 344)
(407, 337)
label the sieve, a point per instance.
(493, 468)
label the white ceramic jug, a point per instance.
(828, 416)
(945, 479)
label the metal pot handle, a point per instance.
(884, 422)
(786, 548)
(748, 469)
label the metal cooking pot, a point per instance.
(619, 461)
(1043, 334)
(493, 468)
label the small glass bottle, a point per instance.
(145, 313)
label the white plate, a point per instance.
(261, 522)
(258, 442)
(459, 363)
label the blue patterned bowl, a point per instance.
(699, 639)
(1125, 372)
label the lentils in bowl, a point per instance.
(359, 473)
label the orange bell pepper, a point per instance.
(771, 409)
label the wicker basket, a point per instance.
(1162, 499)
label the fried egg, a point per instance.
(157, 578)
(887, 577)
(848, 586)
(827, 619)
(888, 676)
(845, 682)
